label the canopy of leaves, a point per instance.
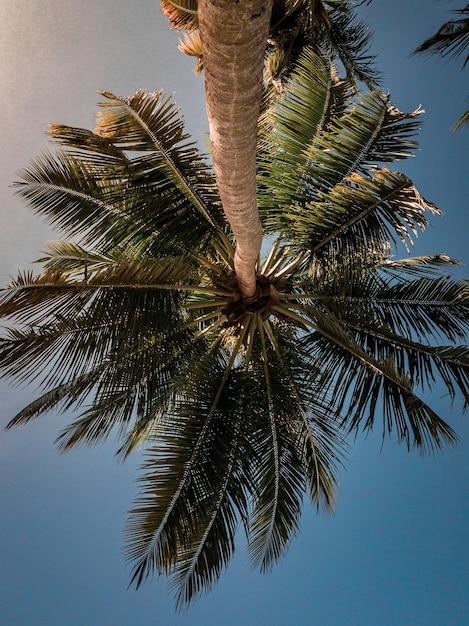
(136, 327)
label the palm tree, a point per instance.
(451, 40)
(233, 40)
(138, 322)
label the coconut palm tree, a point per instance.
(232, 42)
(138, 326)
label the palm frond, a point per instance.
(103, 331)
(97, 188)
(319, 435)
(306, 158)
(432, 264)
(178, 482)
(361, 215)
(182, 14)
(451, 40)
(57, 294)
(66, 395)
(84, 143)
(293, 123)
(359, 383)
(279, 478)
(461, 121)
(71, 258)
(348, 40)
(191, 45)
(423, 364)
(329, 27)
(151, 123)
(68, 193)
(217, 518)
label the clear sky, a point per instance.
(396, 553)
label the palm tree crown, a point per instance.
(136, 321)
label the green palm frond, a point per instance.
(171, 182)
(366, 134)
(134, 391)
(102, 329)
(58, 294)
(69, 195)
(217, 517)
(279, 479)
(361, 214)
(399, 320)
(348, 40)
(424, 307)
(65, 396)
(428, 265)
(151, 123)
(360, 383)
(172, 504)
(70, 257)
(320, 169)
(320, 441)
(294, 121)
(422, 363)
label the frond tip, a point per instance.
(182, 14)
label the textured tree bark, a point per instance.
(234, 35)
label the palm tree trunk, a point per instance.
(234, 35)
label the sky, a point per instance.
(396, 551)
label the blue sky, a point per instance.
(396, 551)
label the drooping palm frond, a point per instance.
(402, 320)
(451, 40)
(197, 472)
(331, 27)
(118, 336)
(461, 121)
(265, 436)
(151, 123)
(371, 383)
(428, 265)
(300, 452)
(348, 41)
